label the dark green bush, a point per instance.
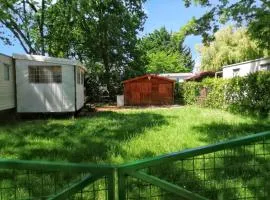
(191, 91)
(178, 95)
(249, 94)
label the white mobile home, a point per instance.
(46, 84)
(245, 68)
(7, 83)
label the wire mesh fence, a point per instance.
(234, 170)
(39, 184)
(238, 173)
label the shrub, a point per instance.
(249, 94)
(190, 92)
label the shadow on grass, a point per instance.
(80, 140)
(223, 131)
(242, 172)
(237, 173)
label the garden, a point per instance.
(121, 136)
(117, 138)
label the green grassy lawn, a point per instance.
(120, 136)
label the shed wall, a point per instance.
(44, 97)
(149, 92)
(7, 87)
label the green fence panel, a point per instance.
(235, 169)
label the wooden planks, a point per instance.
(149, 90)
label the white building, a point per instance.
(45, 84)
(178, 77)
(245, 68)
(7, 83)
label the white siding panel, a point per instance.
(53, 97)
(79, 94)
(68, 91)
(245, 68)
(37, 97)
(7, 87)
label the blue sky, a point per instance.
(169, 13)
(173, 15)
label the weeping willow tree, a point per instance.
(230, 45)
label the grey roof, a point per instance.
(48, 59)
(249, 61)
(176, 74)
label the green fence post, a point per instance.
(112, 185)
(121, 186)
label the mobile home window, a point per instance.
(45, 74)
(6, 72)
(236, 72)
(82, 77)
(78, 76)
(265, 67)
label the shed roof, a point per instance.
(47, 59)
(146, 76)
(2, 54)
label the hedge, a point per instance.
(249, 94)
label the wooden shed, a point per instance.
(149, 90)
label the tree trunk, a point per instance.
(42, 28)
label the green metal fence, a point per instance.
(235, 169)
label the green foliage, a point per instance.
(248, 94)
(253, 14)
(229, 46)
(178, 95)
(191, 91)
(103, 32)
(164, 52)
(215, 93)
(164, 62)
(26, 21)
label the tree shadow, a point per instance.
(242, 172)
(223, 131)
(80, 140)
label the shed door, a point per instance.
(145, 93)
(135, 94)
(165, 93)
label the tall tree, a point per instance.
(92, 31)
(254, 14)
(165, 52)
(26, 20)
(230, 45)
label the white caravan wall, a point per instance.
(245, 68)
(44, 97)
(7, 87)
(79, 88)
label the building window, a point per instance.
(236, 72)
(78, 76)
(82, 77)
(265, 67)
(6, 72)
(45, 74)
